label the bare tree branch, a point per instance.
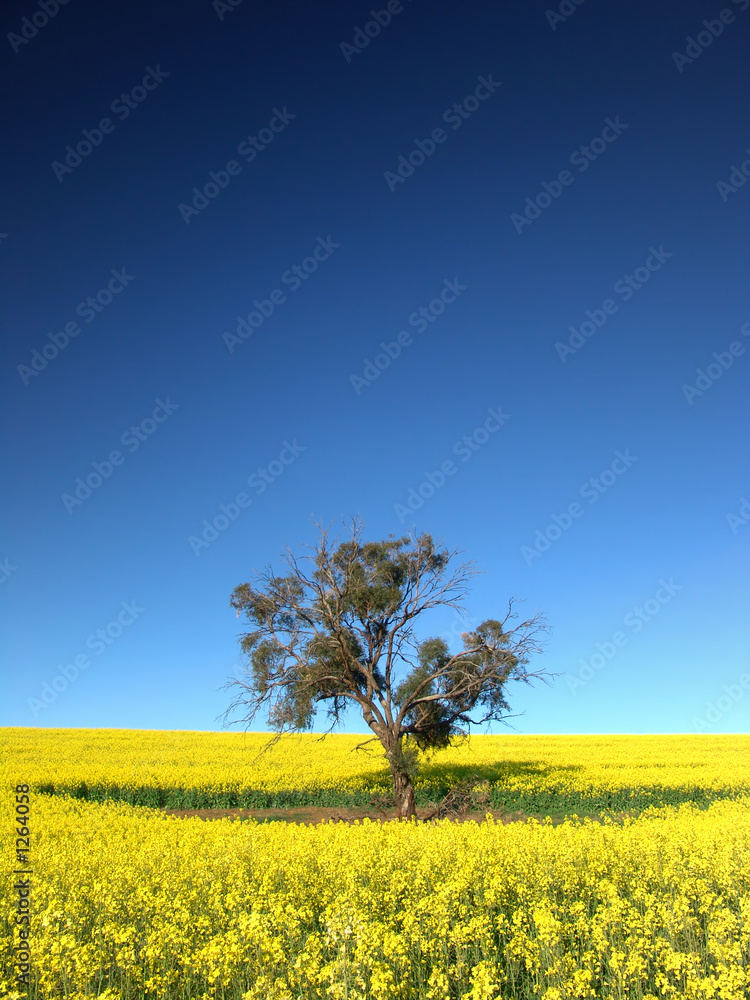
(341, 631)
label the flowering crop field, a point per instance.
(189, 770)
(129, 903)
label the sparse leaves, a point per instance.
(345, 633)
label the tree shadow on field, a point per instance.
(499, 772)
(443, 775)
(453, 789)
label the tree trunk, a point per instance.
(404, 791)
(401, 775)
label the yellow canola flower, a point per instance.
(220, 764)
(133, 904)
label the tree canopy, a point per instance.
(344, 633)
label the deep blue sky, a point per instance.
(69, 566)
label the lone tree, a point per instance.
(345, 633)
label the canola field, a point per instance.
(128, 903)
(191, 770)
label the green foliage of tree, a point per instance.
(345, 633)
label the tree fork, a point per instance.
(344, 632)
(403, 789)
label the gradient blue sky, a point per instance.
(224, 75)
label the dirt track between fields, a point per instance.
(311, 815)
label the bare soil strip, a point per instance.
(311, 815)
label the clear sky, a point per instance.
(323, 256)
